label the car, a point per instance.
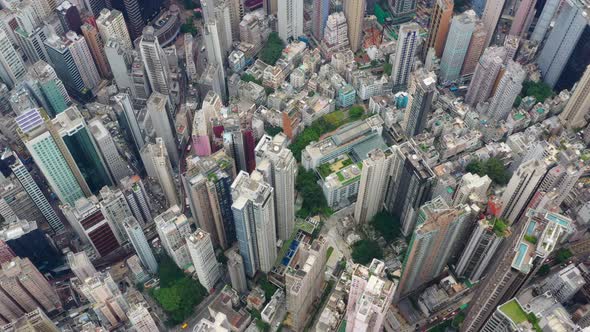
(184, 326)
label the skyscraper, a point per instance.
(276, 162)
(402, 9)
(422, 90)
(32, 42)
(80, 265)
(115, 208)
(173, 229)
(373, 188)
(254, 215)
(403, 62)
(203, 258)
(116, 166)
(12, 67)
(475, 49)
(111, 24)
(105, 298)
(490, 17)
(137, 198)
(157, 165)
(290, 19)
(434, 241)
(69, 16)
(95, 6)
(121, 102)
(237, 273)
(140, 244)
(120, 60)
(523, 18)
(158, 107)
(410, 187)
(578, 107)
(542, 25)
(321, 10)
(354, 10)
(507, 90)
(472, 187)
(135, 18)
(216, 54)
(438, 28)
(486, 72)
(96, 46)
(141, 319)
(155, 61)
(457, 44)
(47, 87)
(35, 320)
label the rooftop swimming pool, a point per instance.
(522, 250)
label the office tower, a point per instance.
(475, 49)
(141, 319)
(472, 188)
(6, 254)
(96, 46)
(236, 13)
(33, 190)
(435, 238)
(115, 208)
(160, 112)
(254, 215)
(375, 172)
(270, 6)
(216, 55)
(422, 90)
(134, 16)
(207, 183)
(563, 39)
(189, 57)
(32, 42)
(105, 298)
(410, 187)
(354, 10)
(521, 188)
(239, 144)
(91, 225)
(140, 244)
(438, 28)
(303, 281)
(507, 90)
(544, 20)
(290, 19)
(369, 298)
(523, 18)
(24, 285)
(120, 60)
(402, 9)
(223, 21)
(203, 257)
(173, 229)
(276, 162)
(111, 25)
(155, 61)
(35, 320)
(137, 198)
(25, 239)
(137, 272)
(80, 265)
(578, 106)
(141, 85)
(403, 62)
(485, 75)
(321, 10)
(237, 273)
(55, 162)
(157, 165)
(72, 128)
(12, 67)
(564, 284)
(121, 102)
(83, 59)
(116, 166)
(47, 88)
(490, 17)
(460, 33)
(95, 6)
(483, 244)
(533, 239)
(69, 16)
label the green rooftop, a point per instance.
(514, 311)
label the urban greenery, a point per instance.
(363, 251)
(272, 50)
(356, 112)
(544, 270)
(540, 90)
(387, 67)
(531, 239)
(268, 288)
(329, 252)
(310, 134)
(387, 225)
(492, 167)
(250, 78)
(500, 227)
(272, 130)
(562, 255)
(188, 27)
(314, 201)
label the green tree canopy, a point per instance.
(363, 251)
(540, 90)
(250, 78)
(387, 225)
(306, 184)
(356, 112)
(492, 167)
(272, 50)
(387, 67)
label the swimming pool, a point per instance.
(522, 250)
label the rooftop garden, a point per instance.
(500, 227)
(514, 311)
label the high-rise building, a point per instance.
(216, 55)
(237, 273)
(533, 239)
(43, 82)
(483, 244)
(369, 298)
(270, 6)
(12, 66)
(207, 182)
(434, 242)
(523, 18)
(141, 319)
(491, 16)
(111, 24)
(303, 280)
(239, 144)
(236, 13)
(321, 10)
(133, 9)
(438, 28)
(507, 90)
(254, 215)
(116, 166)
(458, 39)
(137, 198)
(354, 10)
(74, 132)
(95, 6)
(105, 298)
(52, 156)
(120, 60)
(69, 16)
(577, 109)
(564, 284)
(544, 20)
(335, 34)
(472, 187)
(475, 49)
(276, 162)
(410, 187)
(159, 110)
(569, 26)
(422, 90)
(96, 46)
(373, 188)
(402, 9)
(173, 228)
(486, 72)
(80, 265)
(155, 61)
(122, 104)
(35, 320)
(115, 208)
(158, 166)
(203, 257)
(290, 19)
(16, 203)
(32, 42)
(403, 62)
(140, 244)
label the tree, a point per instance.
(544, 270)
(387, 225)
(492, 167)
(356, 112)
(250, 78)
(188, 27)
(272, 50)
(562, 255)
(363, 251)
(387, 67)
(272, 130)
(540, 90)
(306, 184)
